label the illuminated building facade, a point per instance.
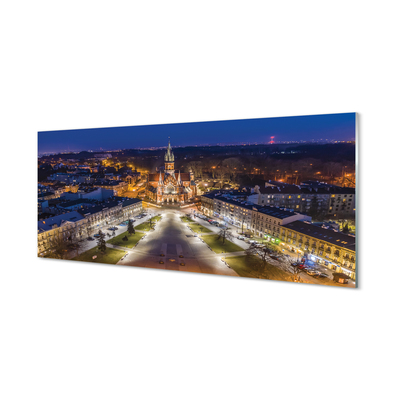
(171, 186)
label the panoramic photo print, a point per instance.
(267, 198)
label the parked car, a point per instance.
(240, 237)
(90, 238)
(300, 266)
(96, 235)
(322, 275)
(274, 257)
(312, 272)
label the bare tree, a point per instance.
(257, 258)
(264, 253)
(221, 173)
(59, 248)
(151, 222)
(225, 234)
(73, 243)
(232, 166)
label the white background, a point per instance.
(81, 331)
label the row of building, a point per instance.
(291, 230)
(79, 218)
(321, 199)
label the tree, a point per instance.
(222, 173)
(125, 238)
(225, 234)
(232, 164)
(242, 224)
(151, 222)
(315, 211)
(101, 243)
(73, 243)
(262, 252)
(89, 229)
(131, 228)
(119, 215)
(59, 247)
(345, 228)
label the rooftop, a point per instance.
(327, 235)
(59, 220)
(71, 203)
(276, 212)
(126, 201)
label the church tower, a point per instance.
(169, 160)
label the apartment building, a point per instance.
(333, 249)
(130, 207)
(238, 213)
(342, 205)
(268, 221)
(259, 220)
(342, 200)
(235, 212)
(63, 226)
(311, 197)
(86, 217)
(103, 213)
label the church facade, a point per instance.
(170, 186)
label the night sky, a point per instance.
(303, 128)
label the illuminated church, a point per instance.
(171, 186)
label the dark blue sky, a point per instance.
(313, 127)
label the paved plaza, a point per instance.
(173, 238)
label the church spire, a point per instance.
(179, 178)
(160, 181)
(169, 155)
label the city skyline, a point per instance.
(319, 128)
(197, 197)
